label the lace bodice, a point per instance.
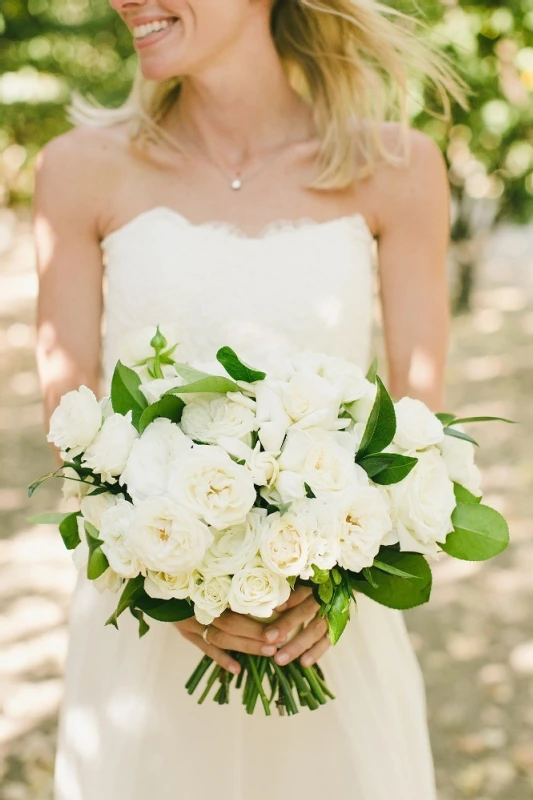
(296, 285)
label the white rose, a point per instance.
(324, 460)
(285, 540)
(210, 596)
(162, 586)
(109, 581)
(109, 451)
(75, 422)
(212, 486)
(257, 590)
(135, 348)
(208, 418)
(422, 504)
(416, 426)
(458, 456)
(365, 524)
(73, 486)
(272, 419)
(94, 506)
(115, 526)
(360, 409)
(147, 469)
(167, 537)
(347, 378)
(324, 545)
(310, 401)
(235, 547)
(154, 389)
(263, 466)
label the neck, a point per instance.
(238, 112)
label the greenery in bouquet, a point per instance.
(206, 488)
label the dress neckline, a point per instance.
(271, 229)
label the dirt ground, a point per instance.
(474, 641)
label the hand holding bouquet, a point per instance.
(206, 489)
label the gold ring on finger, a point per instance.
(204, 634)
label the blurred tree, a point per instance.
(47, 47)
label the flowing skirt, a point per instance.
(129, 731)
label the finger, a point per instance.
(299, 594)
(290, 620)
(316, 652)
(239, 625)
(218, 655)
(241, 644)
(302, 642)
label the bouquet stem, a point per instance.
(289, 686)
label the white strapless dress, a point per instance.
(128, 729)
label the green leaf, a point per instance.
(460, 435)
(325, 591)
(339, 612)
(169, 406)
(391, 570)
(48, 519)
(462, 420)
(396, 591)
(381, 425)
(446, 419)
(125, 393)
(165, 610)
(369, 577)
(309, 492)
(480, 533)
(320, 575)
(387, 468)
(211, 385)
(337, 577)
(462, 495)
(98, 562)
(68, 528)
(143, 625)
(372, 370)
(133, 589)
(190, 373)
(35, 485)
(236, 368)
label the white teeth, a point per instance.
(139, 31)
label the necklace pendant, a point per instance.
(236, 184)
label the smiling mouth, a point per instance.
(143, 31)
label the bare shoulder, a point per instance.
(417, 187)
(76, 170)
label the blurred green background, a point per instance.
(475, 640)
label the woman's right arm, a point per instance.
(69, 264)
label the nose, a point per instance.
(126, 5)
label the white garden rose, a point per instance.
(324, 545)
(360, 409)
(325, 460)
(365, 523)
(235, 547)
(75, 422)
(422, 504)
(257, 591)
(115, 527)
(263, 466)
(73, 486)
(210, 596)
(416, 426)
(109, 451)
(94, 506)
(135, 348)
(347, 378)
(162, 586)
(285, 540)
(107, 407)
(167, 537)
(311, 402)
(458, 456)
(272, 419)
(109, 581)
(207, 419)
(154, 389)
(147, 469)
(212, 486)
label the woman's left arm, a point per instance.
(412, 219)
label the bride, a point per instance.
(238, 193)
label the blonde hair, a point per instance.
(351, 59)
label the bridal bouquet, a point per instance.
(203, 489)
